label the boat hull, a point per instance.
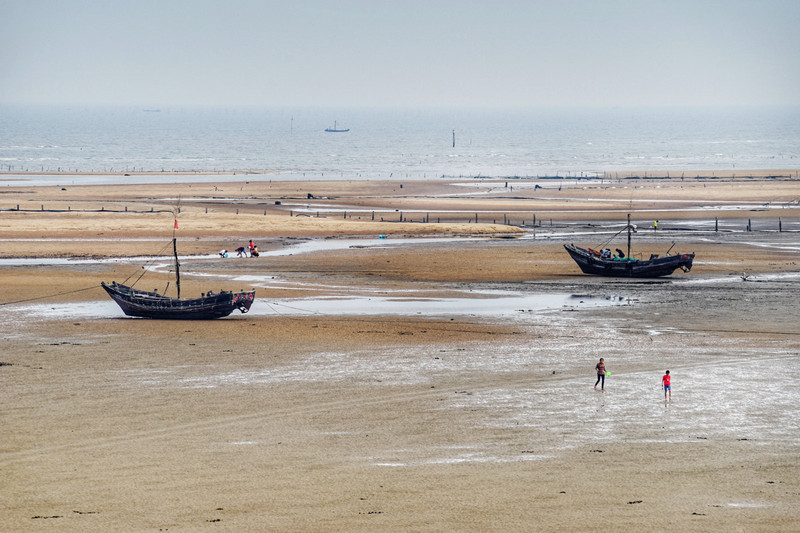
(591, 263)
(145, 304)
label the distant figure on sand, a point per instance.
(240, 251)
(252, 246)
(601, 375)
(667, 387)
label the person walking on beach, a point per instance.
(601, 375)
(667, 387)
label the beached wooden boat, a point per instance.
(597, 263)
(151, 304)
(134, 302)
(591, 262)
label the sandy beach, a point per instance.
(420, 357)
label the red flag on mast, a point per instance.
(176, 223)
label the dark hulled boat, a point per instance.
(135, 302)
(146, 304)
(591, 262)
(595, 262)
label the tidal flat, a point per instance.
(404, 375)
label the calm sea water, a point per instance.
(383, 143)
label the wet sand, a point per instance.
(476, 412)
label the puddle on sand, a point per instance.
(487, 304)
(495, 306)
(293, 248)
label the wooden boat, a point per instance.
(594, 262)
(147, 304)
(334, 129)
(591, 262)
(134, 302)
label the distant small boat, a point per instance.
(334, 129)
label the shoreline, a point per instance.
(691, 173)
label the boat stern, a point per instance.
(686, 262)
(243, 300)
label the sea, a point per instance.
(420, 143)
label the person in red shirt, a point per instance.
(667, 386)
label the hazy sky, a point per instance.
(401, 53)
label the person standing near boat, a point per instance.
(667, 387)
(601, 375)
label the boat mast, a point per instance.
(178, 265)
(629, 239)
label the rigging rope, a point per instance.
(273, 309)
(612, 237)
(294, 308)
(144, 271)
(49, 296)
(144, 266)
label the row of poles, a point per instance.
(401, 218)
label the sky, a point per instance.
(411, 53)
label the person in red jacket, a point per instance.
(601, 374)
(667, 386)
